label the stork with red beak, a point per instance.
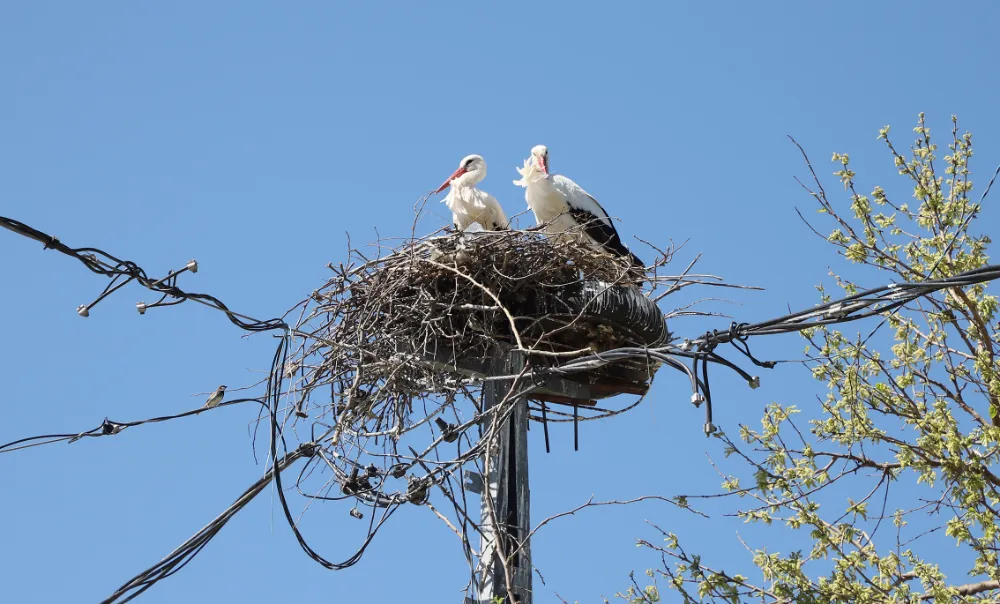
(562, 206)
(468, 204)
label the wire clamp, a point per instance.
(836, 311)
(416, 491)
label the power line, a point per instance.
(107, 427)
(123, 272)
(691, 357)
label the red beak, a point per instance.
(444, 186)
(541, 164)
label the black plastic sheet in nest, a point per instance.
(592, 314)
(599, 316)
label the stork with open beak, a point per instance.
(562, 206)
(468, 204)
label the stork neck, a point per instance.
(542, 183)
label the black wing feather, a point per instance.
(603, 232)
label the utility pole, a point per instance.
(505, 500)
(504, 491)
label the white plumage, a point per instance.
(562, 206)
(468, 204)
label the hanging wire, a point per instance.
(355, 479)
(103, 263)
(121, 272)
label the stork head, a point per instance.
(540, 158)
(536, 167)
(471, 170)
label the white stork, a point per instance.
(560, 205)
(468, 204)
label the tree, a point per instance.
(898, 465)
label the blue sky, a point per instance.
(253, 137)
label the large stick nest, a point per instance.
(470, 292)
(463, 298)
(399, 343)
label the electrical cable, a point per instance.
(701, 351)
